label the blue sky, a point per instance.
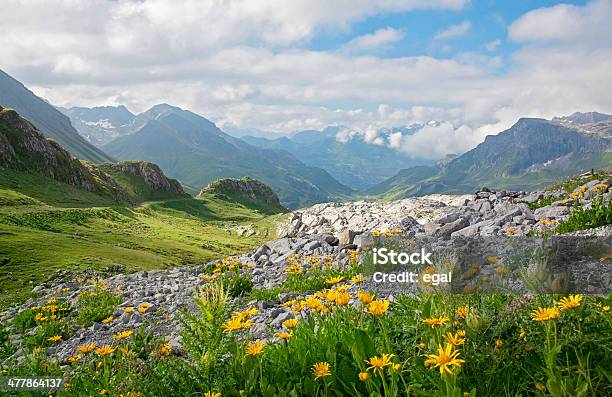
(282, 66)
(488, 21)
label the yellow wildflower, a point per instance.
(291, 323)
(255, 348)
(570, 302)
(284, 335)
(232, 325)
(365, 297)
(436, 321)
(75, 358)
(358, 279)
(87, 348)
(55, 338)
(343, 299)
(290, 303)
(379, 362)
(545, 314)
(123, 334)
(211, 394)
(462, 311)
(499, 343)
(454, 340)
(378, 307)
(165, 349)
(314, 304)
(331, 295)
(376, 233)
(445, 359)
(107, 320)
(363, 376)
(105, 350)
(128, 309)
(294, 269)
(334, 280)
(321, 370)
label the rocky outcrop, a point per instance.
(150, 173)
(24, 148)
(247, 191)
(484, 213)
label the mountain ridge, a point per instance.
(50, 121)
(193, 149)
(530, 154)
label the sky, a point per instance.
(283, 66)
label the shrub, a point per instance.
(600, 214)
(239, 285)
(96, 305)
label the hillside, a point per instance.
(247, 191)
(47, 119)
(24, 150)
(354, 163)
(529, 155)
(191, 148)
(60, 214)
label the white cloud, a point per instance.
(453, 31)
(245, 64)
(585, 25)
(380, 39)
(436, 141)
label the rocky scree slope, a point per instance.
(339, 232)
(23, 148)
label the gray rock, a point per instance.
(550, 212)
(281, 246)
(346, 236)
(311, 246)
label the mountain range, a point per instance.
(355, 163)
(314, 166)
(47, 119)
(191, 148)
(529, 155)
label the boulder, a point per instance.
(550, 212)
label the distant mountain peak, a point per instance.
(583, 118)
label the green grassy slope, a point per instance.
(47, 226)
